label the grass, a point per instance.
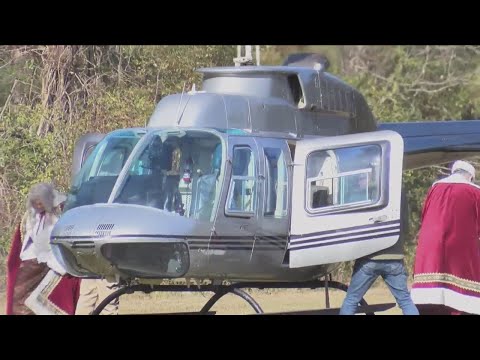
(278, 301)
(270, 301)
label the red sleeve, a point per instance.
(13, 263)
(478, 211)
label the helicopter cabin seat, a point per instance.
(322, 174)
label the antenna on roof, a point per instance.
(179, 104)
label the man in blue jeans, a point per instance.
(389, 265)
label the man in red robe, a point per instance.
(447, 262)
(36, 282)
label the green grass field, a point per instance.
(270, 301)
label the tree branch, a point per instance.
(8, 99)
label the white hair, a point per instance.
(50, 199)
(43, 192)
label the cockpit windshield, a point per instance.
(95, 181)
(176, 171)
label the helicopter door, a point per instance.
(83, 148)
(239, 226)
(345, 197)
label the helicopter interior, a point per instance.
(178, 174)
(343, 176)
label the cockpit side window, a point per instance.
(88, 152)
(242, 197)
(95, 181)
(343, 177)
(113, 162)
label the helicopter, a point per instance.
(267, 177)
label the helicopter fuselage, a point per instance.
(135, 238)
(267, 174)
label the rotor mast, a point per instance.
(247, 59)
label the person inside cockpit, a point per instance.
(165, 158)
(173, 199)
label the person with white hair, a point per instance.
(447, 262)
(36, 282)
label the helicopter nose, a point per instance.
(126, 241)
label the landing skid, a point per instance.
(237, 289)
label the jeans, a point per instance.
(366, 271)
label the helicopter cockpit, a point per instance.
(95, 181)
(175, 171)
